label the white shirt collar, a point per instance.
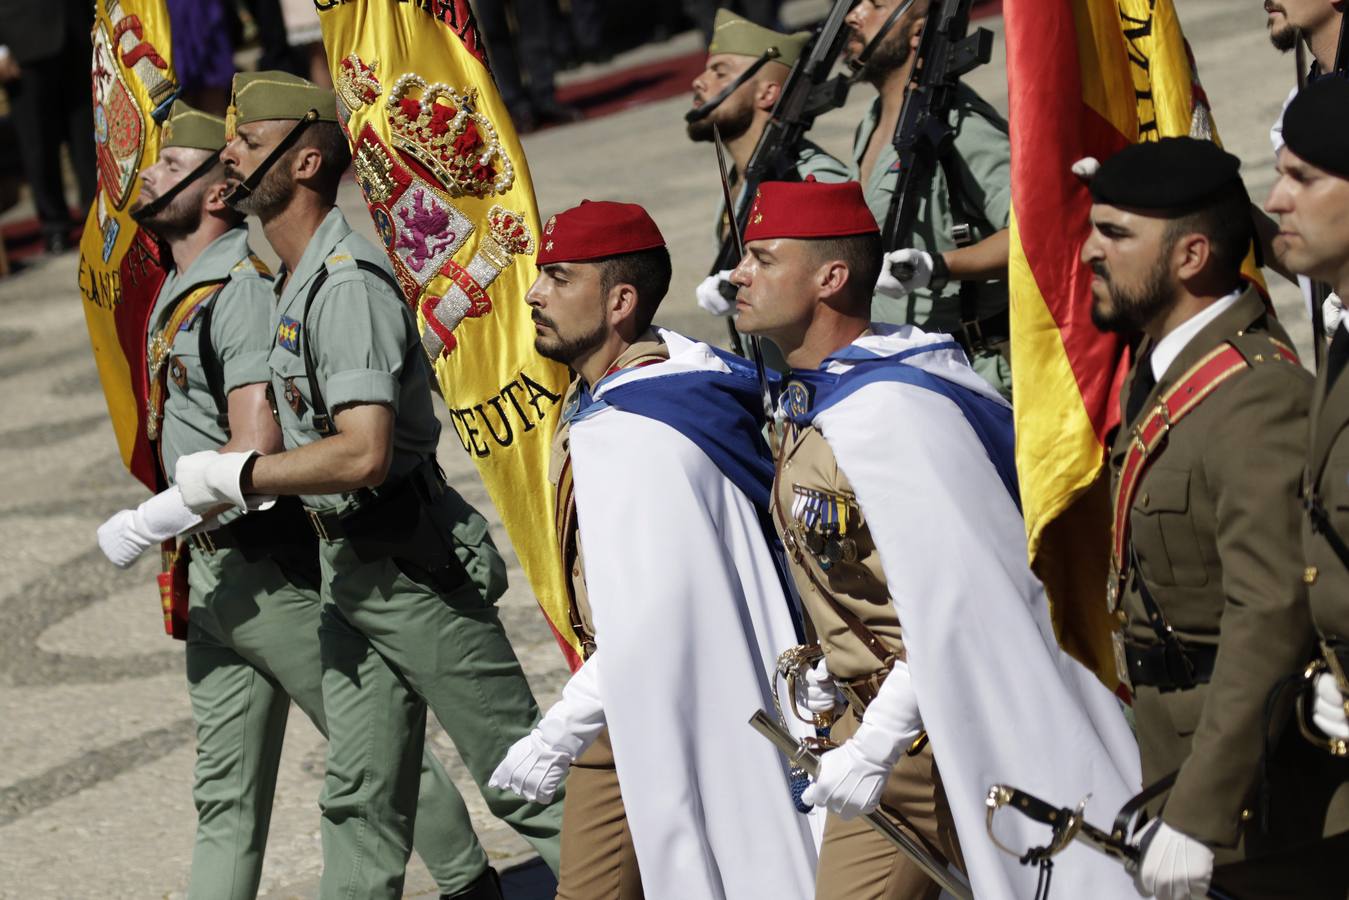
(1170, 347)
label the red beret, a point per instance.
(596, 229)
(809, 209)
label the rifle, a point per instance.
(924, 138)
(801, 756)
(808, 92)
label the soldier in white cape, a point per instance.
(925, 446)
(678, 598)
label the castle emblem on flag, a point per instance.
(507, 237)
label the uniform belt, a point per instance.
(859, 692)
(1170, 667)
(282, 525)
(981, 335)
(395, 502)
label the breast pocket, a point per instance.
(1163, 531)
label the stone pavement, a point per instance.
(96, 743)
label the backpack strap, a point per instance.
(323, 421)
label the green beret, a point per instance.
(741, 37)
(1171, 177)
(192, 128)
(259, 96)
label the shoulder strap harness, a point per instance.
(1149, 440)
(210, 362)
(161, 347)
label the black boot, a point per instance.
(486, 886)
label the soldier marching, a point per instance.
(850, 557)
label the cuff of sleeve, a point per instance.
(245, 369)
(1193, 810)
(361, 386)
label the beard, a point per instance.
(1283, 39)
(732, 122)
(566, 350)
(891, 54)
(270, 196)
(1132, 310)
(179, 219)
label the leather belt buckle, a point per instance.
(203, 541)
(974, 335)
(316, 522)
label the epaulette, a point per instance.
(339, 262)
(251, 265)
(1259, 347)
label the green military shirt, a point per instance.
(365, 349)
(984, 158)
(241, 329)
(811, 159)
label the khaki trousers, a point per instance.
(598, 862)
(858, 863)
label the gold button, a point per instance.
(1145, 498)
(1246, 815)
(1122, 616)
(1309, 575)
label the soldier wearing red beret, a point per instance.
(662, 481)
(895, 496)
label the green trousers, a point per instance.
(392, 647)
(253, 646)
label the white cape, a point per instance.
(690, 618)
(1000, 700)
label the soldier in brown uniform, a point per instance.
(1206, 579)
(1310, 198)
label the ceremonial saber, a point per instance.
(755, 349)
(1066, 825)
(801, 756)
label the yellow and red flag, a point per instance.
(1085, 78)
(442, 170)
(120, 265)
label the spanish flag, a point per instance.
(1085, 78)
(441, 168)
(120, 266)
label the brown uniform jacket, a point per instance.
(851, 589)
(649, 348)
(1214, 528)
(1328, 480)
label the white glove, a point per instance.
(919, 266)
(536, 765)
(1174, 866)
(1086, 168)
(816, 692)
(1332, 312)
(209, 479)
(129, 533)
(852, 777)
(1328, 712)
(709, 293)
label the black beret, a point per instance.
(1316, 125)
(1173, 175)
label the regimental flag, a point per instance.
(437, 157)
(1085, 78)
(120, 266)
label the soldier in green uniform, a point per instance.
(252, 642)
(1206, 580)
(737, 91)
(1310, 198)
(959, 248)
(402, 624)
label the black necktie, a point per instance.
(1337, 356)
(1144, 382)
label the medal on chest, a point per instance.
(821, 522)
